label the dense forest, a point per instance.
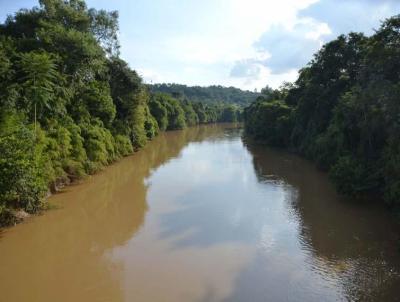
(208, 95)
(69, 105)
(343, 112)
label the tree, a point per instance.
(159, 111)
(104, 26)
(229, 114)
(38, 82)
(191, 117)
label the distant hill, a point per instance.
(210, 94)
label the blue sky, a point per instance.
(242, 43)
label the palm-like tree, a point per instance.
(38, 80)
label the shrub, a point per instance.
(23, 181)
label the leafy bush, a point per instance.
(23, 180)
(269, 121)
(123, 145)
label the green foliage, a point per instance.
(200, 110)
(349, 175)
(191, 117)
(230, 114)
(207, 95)
(159, 111)
(391, 170)
(150, 124)
(137, 123)
(22, 177)
(38, 82)
(123, 145)
(98, 102)
(343, 112)
(8, 87)
(77, 152)
(175, 113)
(99, 145)
(104, 26)
(58, 148)
(131, 100)
(269, 121)
(168, 112)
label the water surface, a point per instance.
(198, 215)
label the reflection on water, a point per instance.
(344, 250)
(199, 216)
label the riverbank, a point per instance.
(13, 216)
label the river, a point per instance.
(197, 216)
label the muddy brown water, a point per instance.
(198, 215)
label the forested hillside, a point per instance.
(69, 105)
(208, 95)
(343, 112)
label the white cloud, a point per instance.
(291, 48)
(150, 76)
(261, 78)
(244, 43)
(290, 43)
(344, 16)
(226, 37)
(280, 51)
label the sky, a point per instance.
(243, 43)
